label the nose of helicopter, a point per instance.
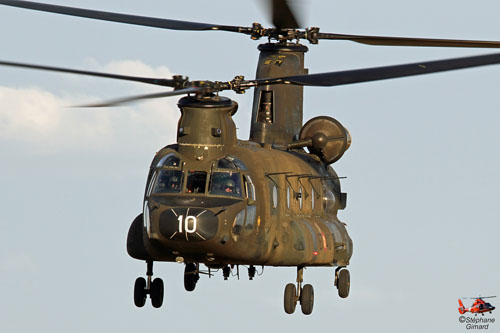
(189, 218)
(188, 224)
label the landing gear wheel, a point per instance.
(344, 283)
(307, 299)
(156, 292)
(140, 292)
(190, 277)
(290, 299)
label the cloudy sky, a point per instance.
(422, 173)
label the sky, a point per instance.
(422, 171)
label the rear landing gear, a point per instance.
(342, 281)
(143, 287)
(304, 295)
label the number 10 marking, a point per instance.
(186, 222)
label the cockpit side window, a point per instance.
(226, 183)
(168, 181)
(151, 183)
(196, 182)
(249, 187)
(169, 160)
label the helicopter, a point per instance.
(215, 200)
(479, 306)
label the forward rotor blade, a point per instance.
(116, 17)
(125, 100)
(407, 41)
(283, 16)
(383, 73)
(158, 82)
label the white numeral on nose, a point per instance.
(189, 223)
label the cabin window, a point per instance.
(226, 183)
(169, 160)
(301, 201)
(312, 198)
(196, 182)
(288, 197)
(275, 196)
(168, 181)
(329, 202)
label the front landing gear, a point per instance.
(154, 289)
(191, 276)
(304, 295)
(140, 292)
(290, 300)
(307, 299)
(342, 281)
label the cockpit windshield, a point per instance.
(230, 162)
(168, 181)
(196, 182)
(224, 179)
(226, 183)
(169, 160)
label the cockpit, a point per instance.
(224, 179)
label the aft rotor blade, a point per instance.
(125, 100)
(408, 41)
(283, 16)
(383, 73)
(155, 81)
(116, 17)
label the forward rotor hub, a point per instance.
(282, 35)
(238, 84)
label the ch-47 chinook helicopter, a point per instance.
(215, 200)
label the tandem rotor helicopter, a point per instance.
(215, 200)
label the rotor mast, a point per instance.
(277, 109)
